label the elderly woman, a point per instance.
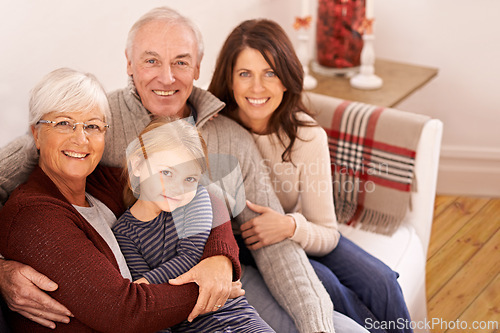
(59, 221)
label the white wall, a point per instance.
(39, 36)
(459, 37)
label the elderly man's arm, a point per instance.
(284, 266)
(17, 160)
(20, 284)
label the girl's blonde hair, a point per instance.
(163, 133)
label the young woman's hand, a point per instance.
(269, 228)
(214, 276)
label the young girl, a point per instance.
(260, 78)
(163, 234)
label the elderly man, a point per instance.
(164, 52)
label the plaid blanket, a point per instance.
(372, 153)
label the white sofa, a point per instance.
(412, 238)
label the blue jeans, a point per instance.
(363, 287)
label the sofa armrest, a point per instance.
(420, 212)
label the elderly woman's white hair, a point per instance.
(170, 17)
(66, 90)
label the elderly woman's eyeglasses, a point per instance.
(94, 127)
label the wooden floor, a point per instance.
(463, 265)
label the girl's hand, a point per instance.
(142, 280)
(236, 290)
(214, 276)
(269, 228)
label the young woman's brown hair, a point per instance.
(272, 42)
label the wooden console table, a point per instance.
(400, 80)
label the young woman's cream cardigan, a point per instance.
(304, 186)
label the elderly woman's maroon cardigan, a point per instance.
(40, 228)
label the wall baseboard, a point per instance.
(469, 171)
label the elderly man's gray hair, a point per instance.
(168, 16)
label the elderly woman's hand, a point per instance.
(214, 276)
(20, 286)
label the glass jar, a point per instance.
(338, 41)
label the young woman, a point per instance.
(163, 234)
(260, 78)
